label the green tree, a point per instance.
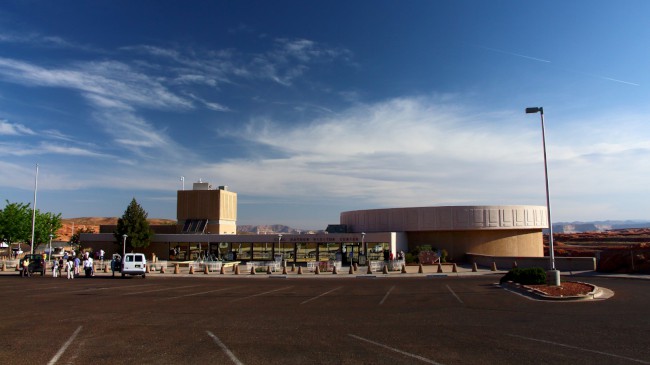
(16, 222)
(46, 224)
(135, 225)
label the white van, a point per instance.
(134, 264)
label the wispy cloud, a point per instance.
(514, 54)
(14, 129)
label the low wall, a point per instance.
(561, 263)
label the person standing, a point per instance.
(25, 268)
(70, 268)
(77, 264)
(55, 269)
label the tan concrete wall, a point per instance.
(218, 206)
(561, 263)
(486, 242)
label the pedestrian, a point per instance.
(88, 266)
(25, 268)
(61, 263)
(101, 255)
(69, 268)
(77, 264)
(55, 269)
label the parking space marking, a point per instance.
(204, 292)
(579, 348)
(108, 287)
(225, 349)
(163, 289)
(457, 297)
(64, 347)
(387, 294)
(259, 294)
(318, 296)
(418, 357)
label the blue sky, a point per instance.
(310, 108)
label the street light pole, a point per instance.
(553, 276)
(50, 254)
(124, 236)
(280, 249)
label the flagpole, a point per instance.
(34, 207)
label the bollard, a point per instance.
(268, 270)
(206, 270)
(252, 270)
(191, 269)
(284, 270)
(177, 269)
(439, 267)
(385, 269)
(222, 271)
(351, 270)
(403, 269)
(474, 267)
(494, 266)
(147, 270)
(105, 268)
(162, 269)
(356, 267)
(420, 269)
(236, 269)
(454, 268)
(334, 272)
(369, 269)
(299, 270)
(317, 270)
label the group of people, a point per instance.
(72, 265)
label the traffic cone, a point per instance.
(494, 266)
(317, 270)
(369, 269)
(351, 270)
(439, 267)
(252, 270)
(334, 272)
(206, 270)
(293, 267)
(236, 269)
(403, 269)
(356, 267)
(4, 266)
(105, 268)
(177, 269)
(420, 269)
(268, 270)
(191, 269)
(385, 269)
(299, 270)
(474, 267)
(162, 269)
(284, 270)
(147, 269)
(454, 268)
(222, 271)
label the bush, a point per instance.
(527, 276)
(409, 258)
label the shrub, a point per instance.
(527, 276)
(409, 258)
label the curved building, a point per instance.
(514, 230)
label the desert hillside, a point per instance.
(66, 232)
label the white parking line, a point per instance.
(64, 347)
(579, 348)
(423, 359)
(318, 296)
(452, 292)
(386, 296)
(232, 356)
(193, 294)
(257, 295)
(163, 289)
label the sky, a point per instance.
(307, 109)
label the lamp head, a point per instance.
(533, 110)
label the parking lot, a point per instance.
(434, 320)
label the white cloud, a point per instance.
(14, 129)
